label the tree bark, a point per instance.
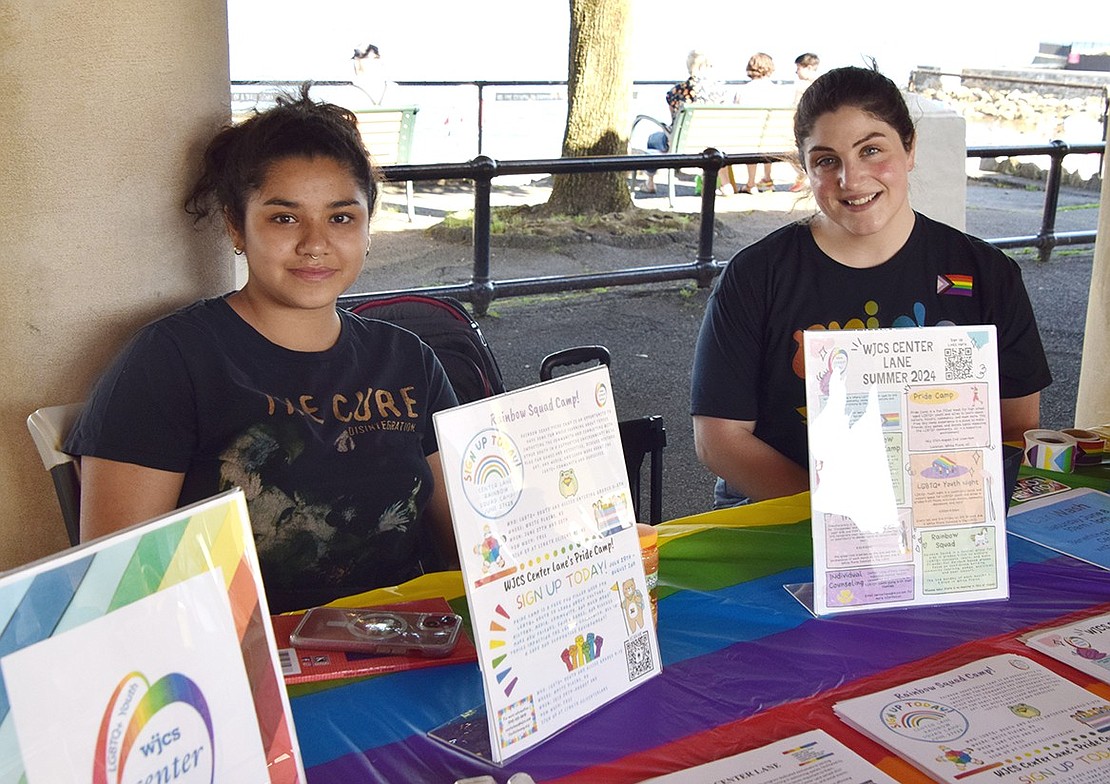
(598, 104)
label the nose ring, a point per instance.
(314, 258)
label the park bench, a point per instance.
(728, 128)
(387, 133)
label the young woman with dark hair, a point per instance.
(865, 260)
(322, 417)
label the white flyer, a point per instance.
(1003, 718)
(146, 655)
(814, 757)
(1085, 645)
(550, 555)
(906, 471)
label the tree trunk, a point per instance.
(598, 104)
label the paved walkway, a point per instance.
(650, 329)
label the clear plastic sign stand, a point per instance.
(907, 484)
(550, 558)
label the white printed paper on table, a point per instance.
(906, 470)
(1085, 645)
(814, 757)
(145, 656)
(550, 555)
(1002, 719)
(1075, 523)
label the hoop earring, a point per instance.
(238, 251)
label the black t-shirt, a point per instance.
(748, 360)
(329, 447)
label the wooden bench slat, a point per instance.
(387, 133)
(730, 129)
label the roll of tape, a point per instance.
(1050, 450)
(1089, 446)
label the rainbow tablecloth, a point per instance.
(743, 663)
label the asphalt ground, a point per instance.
(650, 330)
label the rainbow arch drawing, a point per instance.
(491, 467)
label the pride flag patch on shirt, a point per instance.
(955, 285)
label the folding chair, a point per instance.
(640, 437)
(49, 428)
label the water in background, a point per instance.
(509, 40)
(447, 120)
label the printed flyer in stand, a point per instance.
(814, 757)
(146, 656)
(906, 472)
(1084, 645)
(1004, 719)
(550, 555)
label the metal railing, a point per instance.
(1047, 238)
(482, 288)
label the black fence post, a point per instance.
(1051, 197)
(706, 265)
(480, 284)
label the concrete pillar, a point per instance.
(106, 104)
(1092, 406)
(938, 183)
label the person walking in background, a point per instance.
(806, 67)
(760, 92)
(866, 259)
(699, 87)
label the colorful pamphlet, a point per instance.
(146, 655)
(1030, 487)
(1004, 718)
(906, 467)
(1085, 645)
(550, 559)
(1075, 523)
(302, 665)
(814, 757)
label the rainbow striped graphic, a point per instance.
(916, 719)
(491, 467)
(944, 463)
(956, 285)
(77, 588)
(502, 673)
(170, 689)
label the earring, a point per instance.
(238, 251)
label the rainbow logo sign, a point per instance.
(155, 731)
(492, 468)
(492, 473)
(924, 720)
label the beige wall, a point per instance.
(1093, 404)
(938, 182)
(105, 104)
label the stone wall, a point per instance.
(1026, 107)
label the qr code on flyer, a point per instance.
(957, 363)
(638, 656)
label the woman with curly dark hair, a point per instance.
(322, 417)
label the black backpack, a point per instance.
(457, 340)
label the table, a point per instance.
(743, 662)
